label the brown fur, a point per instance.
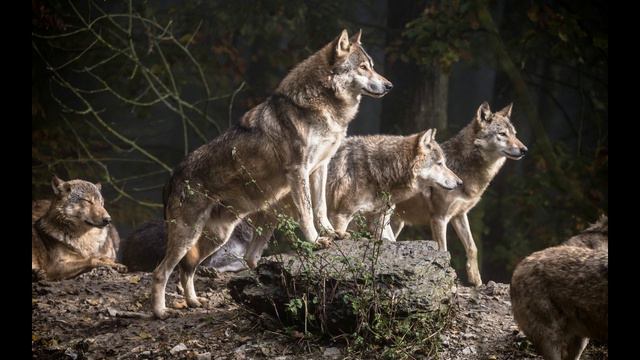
(594, 237)
(281, 146)
(560, 295)
(369, 174)
(475, 154)
(63, 243)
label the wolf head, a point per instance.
(79, 203)
(495, 136)
(352, 69)
(430, 167)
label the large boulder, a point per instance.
(335, 284)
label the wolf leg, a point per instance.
(257, 246)
(319, 198)
(342, 223)
(461, 226)
(396, 226)
(265, 220)
(575, 346)
(301, 196)
(218, 231)
(71, 269)
(439, 232)
(182, 234)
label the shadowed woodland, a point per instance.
(122, 91)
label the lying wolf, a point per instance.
(72, 234)
(476, 154)
(144, 248)
(369, 174)
(560, 295)
(281, 146)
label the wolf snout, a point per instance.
(523, 150)
(106, 220)
(388, 86)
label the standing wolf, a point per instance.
(73, 233)
(282, 145)
(560, 294)
(476, 154)
(369, 174)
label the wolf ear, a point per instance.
(355, 39)
(427, 137)
(482, 116)
(99, 186)
(506, 112)
(58, 185)
(342, 45)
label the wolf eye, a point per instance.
(87, 200)
(502, 134)
(363, 67)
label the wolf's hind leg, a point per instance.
(181, 236)
(217, 232)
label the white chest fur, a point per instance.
(323, 142)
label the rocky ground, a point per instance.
(103, 314)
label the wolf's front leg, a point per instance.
(319, 198)
(301, 195)
(73, 268)
(461, 226)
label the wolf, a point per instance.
(560, 295)
(281, 146)
(145, 247)
(369, 174)
(594, 237)
(73, 233)
(476, 154)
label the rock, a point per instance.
(331, 352)
(71, 354)
(204, 356)
(413, 273)
(178, 348)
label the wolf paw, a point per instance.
(252, 263)
(475, 280)
(196, 302)
(343, 235)
(324, 242)
(164, 313)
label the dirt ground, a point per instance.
(103, 314)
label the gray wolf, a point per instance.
(145, 247)
(476, 154)
(281, 146)
(560, 295)
(369, 174)
(594, 237)
(73, 233)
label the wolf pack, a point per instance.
(291, 155)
